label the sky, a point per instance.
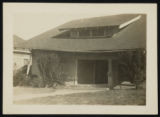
(33, 20)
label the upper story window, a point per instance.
(98, 32)
(90, 33)
(84, 33)
(74, 34)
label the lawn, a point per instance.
(111, 97)
(30, 90)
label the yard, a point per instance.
(86, 97)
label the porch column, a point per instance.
(76, 73)
(110, 74)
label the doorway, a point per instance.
(92, 71)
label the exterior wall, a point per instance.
(20, 59)
(69, 62)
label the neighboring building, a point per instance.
(89, 48)
(21, 56)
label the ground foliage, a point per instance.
(20, 77)
(132, 66)
(50, 69)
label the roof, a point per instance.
(17, 40)
(22, 51)
(112, 20)
(131, 37)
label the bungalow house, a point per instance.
(90, 49)
(21, 55)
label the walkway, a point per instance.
(55, 93)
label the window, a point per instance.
(74, 34)
(91, 33)
(84, 33)
(98, 33)
(108, 32)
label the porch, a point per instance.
(94, 72)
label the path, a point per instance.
(57, 92)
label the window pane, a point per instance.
(73, 33)
(98, 32)
(84, 33)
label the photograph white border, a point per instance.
(151, 107)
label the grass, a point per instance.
(112, 97)
(30, 90)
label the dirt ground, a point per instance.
(86, 97)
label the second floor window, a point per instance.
(93, 33)
(98, 32)
(84, 33)
(74, 34)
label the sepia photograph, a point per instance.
(80, 55)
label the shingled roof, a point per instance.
(131, 37)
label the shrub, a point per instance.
(20, 77)
(50, 69)
(132, 66)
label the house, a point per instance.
(90, 48)
(21, 55)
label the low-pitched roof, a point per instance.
(17, 40)
(131, 37)
(112, 20)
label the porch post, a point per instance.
(110, 74)
(76, 73)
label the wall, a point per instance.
(19, 60)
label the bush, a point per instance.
(35, 82)
(132, 66)
(50, 68)
(19, 77)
